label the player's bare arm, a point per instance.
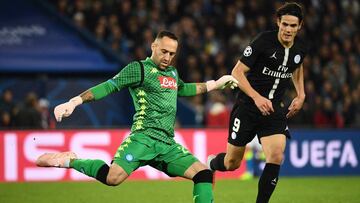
(298, 101)
(87, 96)
(201, 88)
(262, 103)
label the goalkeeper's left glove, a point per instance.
(221, 83)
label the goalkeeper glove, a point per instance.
(221, 83)
(66, 109)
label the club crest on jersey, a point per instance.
(167, 82)
(297, 58)
(129, 157)
(248, 51)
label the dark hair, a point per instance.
(166, 33)
(292, 8)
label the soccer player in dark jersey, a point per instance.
(264, 72)
(154, 86)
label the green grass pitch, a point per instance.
(297, 190)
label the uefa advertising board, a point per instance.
(322, 152)
(307, 153)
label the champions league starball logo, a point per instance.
(248, 51)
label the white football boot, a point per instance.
(60, 160)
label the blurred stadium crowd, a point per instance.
(32, 113)
(213, 34)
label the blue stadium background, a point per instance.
(59, 48)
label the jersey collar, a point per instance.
(148, 59)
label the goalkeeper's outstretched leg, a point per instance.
(98, 169)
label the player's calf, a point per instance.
(231, 163)
(222, 162)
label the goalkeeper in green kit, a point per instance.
(154, 86)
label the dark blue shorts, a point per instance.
(246, 121)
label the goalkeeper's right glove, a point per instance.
(66, 109)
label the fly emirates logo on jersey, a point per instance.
(167, 82)
(281, 72)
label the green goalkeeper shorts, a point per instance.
(140, 150)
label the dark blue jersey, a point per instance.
(271, 65)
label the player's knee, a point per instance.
(232, 164)
(276, 157)
(204, 176)
(114, 179)
(116, 175)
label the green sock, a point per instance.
(202, 193)
(88, 167)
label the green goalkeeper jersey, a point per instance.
(154, 97)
